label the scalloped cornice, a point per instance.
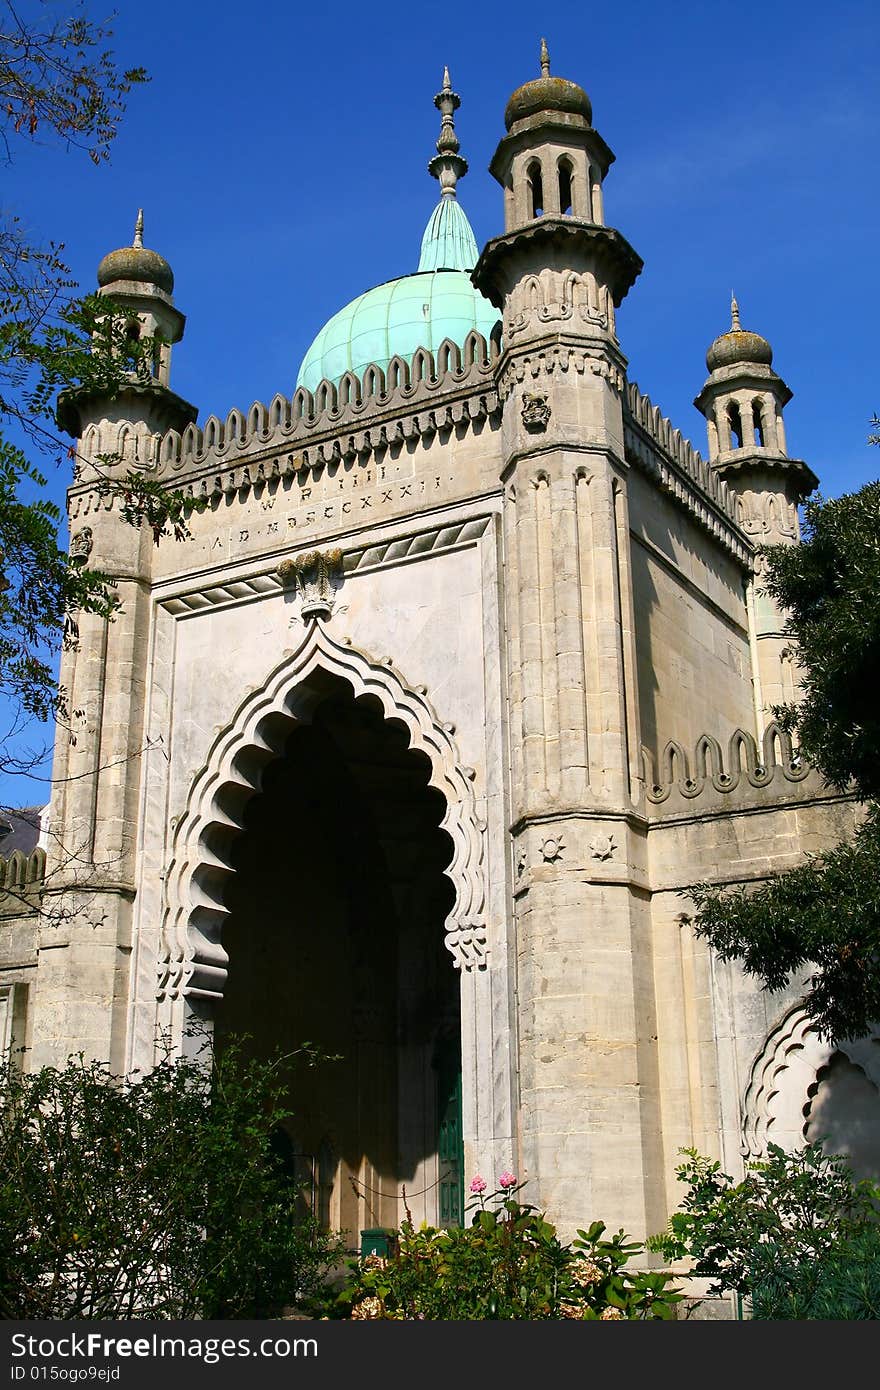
(657, 449)
(356, 416)
(746, 765)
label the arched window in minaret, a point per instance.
(565, 178)
(734, 419)
(758, 423)
(536, 189)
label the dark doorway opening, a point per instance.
(336, 938)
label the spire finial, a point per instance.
(139, 229)
(447, 164)
(735, 325)
(545, 59)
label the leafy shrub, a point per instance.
(798, 1236)
(160, 1196)
(508, 1263)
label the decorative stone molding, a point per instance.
(774, 1104)
(745, 761)
(192, 958)
(392, 552)
(767, 515)
(432, 393)
(562, 297)
(457, 533)
(605, 247)
(558, 361)
(535, 412)
(316, 575)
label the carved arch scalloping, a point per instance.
(192, 959)
(781, 1074)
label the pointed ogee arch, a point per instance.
(192, 958)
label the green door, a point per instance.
(450, 1145)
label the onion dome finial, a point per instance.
(448, 166)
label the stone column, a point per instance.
(81, 989)
(583, 945)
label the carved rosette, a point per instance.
(316, 576)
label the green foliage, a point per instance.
(57, 79)
(825, 912)
(845, 1286)
(162, 1196)
(508, 1264)
(798, 1235)
(829, 586)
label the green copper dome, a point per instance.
(395, 319)
(436, 301)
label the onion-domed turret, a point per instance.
(546, 93)
(743, 402)
(137, 284)
(136, 264)
(738, 345)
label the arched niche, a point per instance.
(796, 1088)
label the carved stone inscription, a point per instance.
(277, 513)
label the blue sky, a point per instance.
(280, 155)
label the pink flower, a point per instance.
(478, 1184)
(507, 1180)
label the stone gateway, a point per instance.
(413, 748)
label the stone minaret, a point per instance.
(85, 943)
(743, 400)
(557, 274)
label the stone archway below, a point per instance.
(194, 961)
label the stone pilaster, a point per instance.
(85, 936)
(85, 946)
(583, 946)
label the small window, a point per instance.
(735, 421)
(564, 187)
(536, 190)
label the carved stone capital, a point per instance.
(315, 576)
